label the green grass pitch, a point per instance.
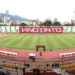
(29, 42)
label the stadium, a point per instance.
(51, 50)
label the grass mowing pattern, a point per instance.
(29, 42)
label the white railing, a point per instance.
(11, 54)
(71, 54)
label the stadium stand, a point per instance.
(22, 69)
(15, 29)
(70, 68)
(41, 73)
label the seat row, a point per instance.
(41, 68)
(67, 66)
(14, 66)
(41, 73)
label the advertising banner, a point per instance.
(58, 29)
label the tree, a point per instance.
(23, 24)
(56, 23)
(31, 25)
(47, 23)
(2, 25)
(68, 24)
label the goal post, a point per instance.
(40, 46)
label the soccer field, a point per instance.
(29, 42)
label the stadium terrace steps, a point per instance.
(44, 58)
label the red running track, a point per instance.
(46, 54)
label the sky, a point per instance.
(63, 10)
